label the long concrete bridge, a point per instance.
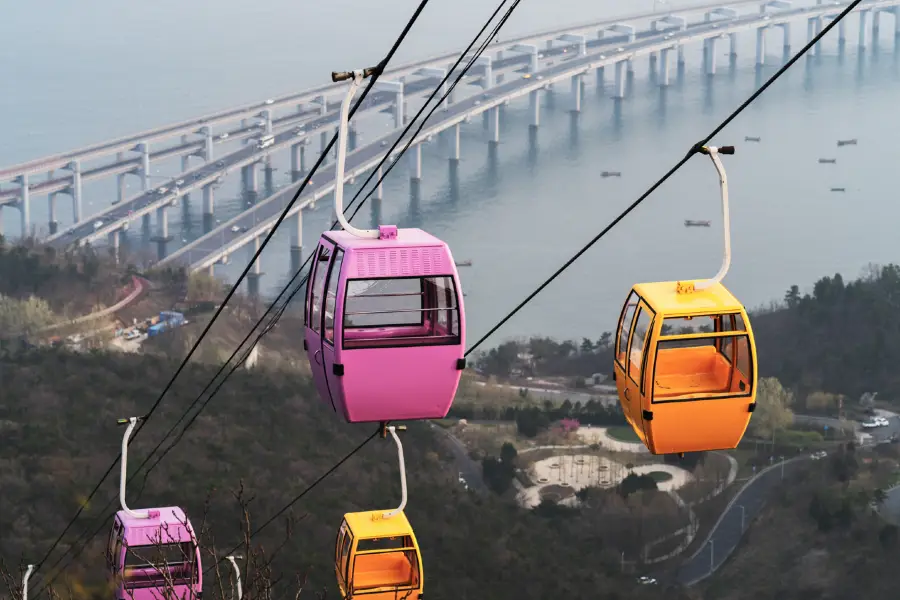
(567, 54)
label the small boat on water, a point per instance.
(846, 142)
(690, 223)
(611, 174)
(464, 263)
(827, 161)
(748, 138)
(838, 189)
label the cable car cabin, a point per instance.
(685, 367)
(385, 326)
(378, 558)
(155, 558)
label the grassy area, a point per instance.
(659, 476)
(623, 434)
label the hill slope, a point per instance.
(59, 435)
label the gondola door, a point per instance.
(635, 365)
(315, 318)
(332, 319)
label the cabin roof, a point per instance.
(406, 238)
(363, 525)
(167, 527)
(663, 298)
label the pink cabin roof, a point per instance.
(166, 527)
(412, 253)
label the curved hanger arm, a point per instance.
(713, 153)
(136, 514)
(400, 508)
(25, 582)
(341, 159)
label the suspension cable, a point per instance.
(696, 148)
(375, 75)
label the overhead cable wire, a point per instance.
(694, 150)
(378, 70)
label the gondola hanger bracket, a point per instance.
(685, 287)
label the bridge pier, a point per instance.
(255, 271)
(599, 73)
(709, 56)
(620, 80)
(120, 180)
(114, 244)
(732, 44)
(680, 54)
(576, 93)
(378, 192)
(454, 145)
(185, 165)
(298, 159)
(162, 231)
(145, 223)
(323, 145)
(208, 143)
(534, 106)
(415, 163)
(144, 149)
(53, 223)
(494, 125)
(664, 65)
(862, 28)
(75, 189)
(269, 173)
(351, 138)
(297, 241)
(24, 203)
(252, 177)
(760, 46)
(842, 33)
(786, 37)
(209, 207)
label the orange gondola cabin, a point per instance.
(377, 557)
(685, 366)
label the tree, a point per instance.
(772, 408)
(508, 454)
(20, 317)
(605, 339)
(636, 483)
(202, 287)
(822, 402)
(792, 297)
(587, 346)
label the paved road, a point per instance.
(229, 236)
(471, 470)
(727, 533)
(890, 509)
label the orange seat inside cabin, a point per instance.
(697, 370)
(386, 569)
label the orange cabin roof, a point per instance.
(371, 524)
(663, 298)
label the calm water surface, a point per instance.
(89, 71)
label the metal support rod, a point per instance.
(341, 159)
(25, 582)
(237, 575)
(400, 508)
(135, 514)
(713, 153)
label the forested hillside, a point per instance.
(59, 435)
(843, 338)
